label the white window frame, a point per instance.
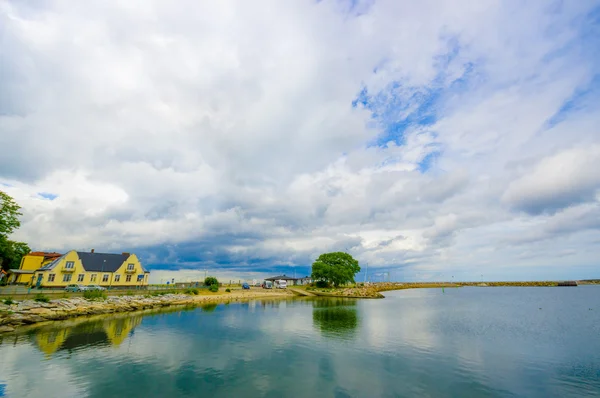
(130, 267)
(70, 265)
(80, 277)
(105, 277)
(128, 278)
(51, 277)
(93, 278)
(117, 278)
(67, 278)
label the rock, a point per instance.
(40, 311)
(6, 329)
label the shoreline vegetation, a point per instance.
(373, 290)
(17, 314)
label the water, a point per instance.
(468, 342)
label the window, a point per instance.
(93, 278)
(130, 267)
(69, 265)
(117, 278)
(67, 278)
(140, 278)
(128, 278)
(105, 278)
(80, 277)
(51, 277)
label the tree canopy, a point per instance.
(11, 252)
(9, 215)
(336, 268)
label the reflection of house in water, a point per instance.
(103, 332)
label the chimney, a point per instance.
(92, 250)
(125, 254)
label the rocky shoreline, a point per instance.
(29, 312)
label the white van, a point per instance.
(281, 284)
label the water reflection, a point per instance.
(335, 317)
(209, 307)
(70, 336)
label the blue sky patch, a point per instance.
(47, 195)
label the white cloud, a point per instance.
(202, 135)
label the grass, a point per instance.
(41, 298)
(94, 294)
(192, 291)
(8, 301)
(228, 290)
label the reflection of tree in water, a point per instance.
(209, 307)
(335, 317)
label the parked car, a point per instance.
(95, 287)
(267, 285)
(281, 284)
(76, 288)
(245, 286)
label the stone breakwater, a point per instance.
(28, 312)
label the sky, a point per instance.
(431, 140)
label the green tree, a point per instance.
(336, 268)
(9, 215)
(211, 280)
(11, 252)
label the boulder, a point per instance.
(40, 311)
(6, 329)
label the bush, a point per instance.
(214, 288)
(41, 298)
(210, 281)
(228, 290)
(8, 301)
(192, 291)
(94, 294)
(322, 284)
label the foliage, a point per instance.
(94, 294)
(8, 301)
(322, 284)
(9, 214)
(10, 252)
(214, 288)
(210, 281)
(228, 290)
(41, 298)
(336, 268)
(192, 291)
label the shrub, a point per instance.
(192, 291)
(214, 288)
(322, 284)
(8, 301)
(94, 294)
(210, 281)
(41, 298)
(228, 290)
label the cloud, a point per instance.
(556, 182)
(254, 137)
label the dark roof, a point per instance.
(99, 262)
(276, 278)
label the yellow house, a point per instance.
(29, 264)
(90, 268)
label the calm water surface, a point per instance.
(468, 342)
